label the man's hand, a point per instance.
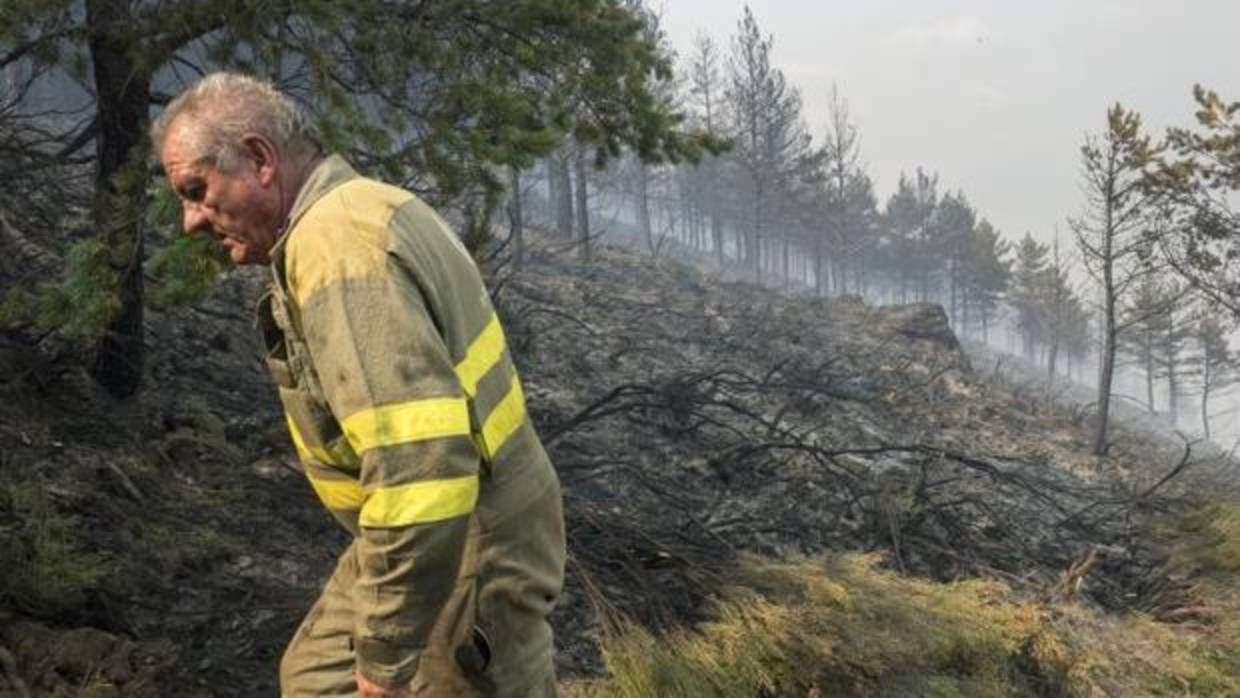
(366, 689)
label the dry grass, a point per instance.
(1205, 550)
(842, 626)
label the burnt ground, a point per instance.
(167, 546)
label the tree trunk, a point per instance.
(787, 277)
(1107, 359)
(716, 229)
(517, 234)
(1173, 388)
(688, 213)
(1205, 400)
(123, 97)
(1149, 380)
(643, 206)
(564, 214)
(818, 267)
(583, 200)
(1105, 378)
(755, 249)
(553, 188)
(955, 310)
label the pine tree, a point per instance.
(706, 98)
(1111, 233)
(841, 161)
(1027, 292)
(1171, 345)
(768, 136)
(954, 222)
(907, 219)
(1215, 363)
(1145, 318)
(858, 247)
(1078, 337)
(433, 96)
(1195, 186)
(1061, 307)
(986, 275)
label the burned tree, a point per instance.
(1111, 233)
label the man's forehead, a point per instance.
(179, 170)
(182, 163)
(180, 146)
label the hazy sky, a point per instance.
(996, 96)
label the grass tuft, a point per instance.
(42, 568)
(844, 627)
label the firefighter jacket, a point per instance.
(408, 415)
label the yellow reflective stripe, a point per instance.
(504, 420)
(337, 453)
(338, 494)
(483, 353)
(303, 451)
(405, 422)
(300, 444)
(420, 502)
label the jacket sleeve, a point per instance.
(390, 381)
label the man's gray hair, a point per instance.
(223, 107)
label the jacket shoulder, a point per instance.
(344, 236)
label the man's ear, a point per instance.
(264, 156)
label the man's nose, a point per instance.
(194, 218)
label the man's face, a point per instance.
(241, 209)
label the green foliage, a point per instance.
(1112, 232)
(87, 296)
(42, 568)
(987, 269)
(1029, 277)
(438, 97)
(79, 305)
(1206, 541)
(1196, 185)
(909, 213)
(439, 94)
(185, 268)
(772, 146)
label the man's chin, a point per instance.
(239, 254)
(244, 255)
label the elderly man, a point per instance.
(403, 403)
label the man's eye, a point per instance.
(193, 193)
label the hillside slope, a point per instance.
(169, 547)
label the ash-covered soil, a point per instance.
(691, 419)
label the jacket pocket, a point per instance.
(275, 344)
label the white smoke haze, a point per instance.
(995, 96)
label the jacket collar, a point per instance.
(329, 174)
